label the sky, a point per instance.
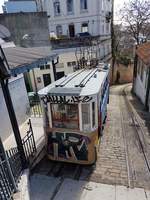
(1, 3)
(118, 4)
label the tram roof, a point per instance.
(80, 83)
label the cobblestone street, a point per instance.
(120, 159)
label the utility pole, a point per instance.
(113, 41)
(4, 77)
(54, 68)
(147, 92)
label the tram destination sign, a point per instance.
(66, 99)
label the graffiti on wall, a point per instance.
(69, 146)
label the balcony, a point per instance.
(66, 42)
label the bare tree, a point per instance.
(136, 16)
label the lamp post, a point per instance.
(4, 77)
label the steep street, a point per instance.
(121, 159)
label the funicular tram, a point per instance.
(75, 110)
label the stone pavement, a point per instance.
(50, 188)
(119, 144)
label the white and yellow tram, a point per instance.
(75, 109)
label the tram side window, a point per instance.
(86, 117)
(65, 116)
(104, 88)
(93, 114)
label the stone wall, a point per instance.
(27, 29)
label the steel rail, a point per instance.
(126, 151)
(136, 121)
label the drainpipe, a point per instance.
(147, 92)
(54, 68)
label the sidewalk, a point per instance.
(46, 188)
(38, 131)
(144, 116)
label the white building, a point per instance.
(142, 75)
(71, 23)
(69, 17)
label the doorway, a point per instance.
(46, 79)
(60, 75)
(71, 30)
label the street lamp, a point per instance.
(4, 77)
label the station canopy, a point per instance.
(21, 60)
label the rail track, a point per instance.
(130, 127)
(139, 135)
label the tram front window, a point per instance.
(65, 116)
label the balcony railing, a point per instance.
(62, 43)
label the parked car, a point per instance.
(85, 34)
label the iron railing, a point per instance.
(75, 42)
(28, 143)
(10, 172)
(15, 162)
(36, 109)
(6, 187)
(11, 167)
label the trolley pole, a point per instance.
(54, 68)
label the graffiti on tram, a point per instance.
(66, 100)
(68, 146)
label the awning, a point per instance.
(21, 59)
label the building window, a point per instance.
(84, 27)
(71, 64)
(70, 6)
(103, 27)
(142, 72)
(86, 124)
(57, 8)
(43, 67)
(107, 27)
(60, 75)
(93, 114)
(83, 4)
(39, 79)
(59, 31)
(65, 116)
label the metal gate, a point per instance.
(10, 172)
(28, 143)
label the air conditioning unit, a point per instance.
(108, 16)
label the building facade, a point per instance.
(74, 22)
(70, 17)
(142, 75)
